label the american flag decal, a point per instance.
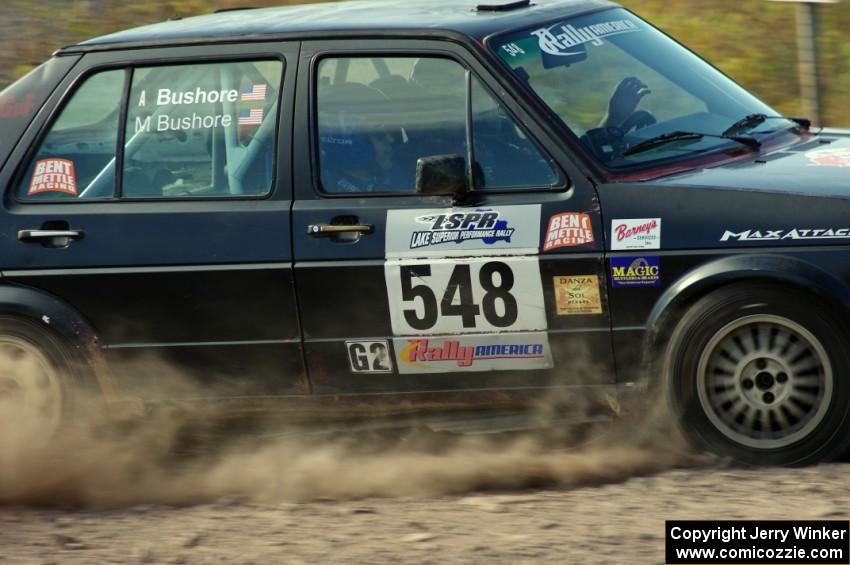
(254, 92)
(253, 117)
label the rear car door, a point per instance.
(151, 194)
(404, 293)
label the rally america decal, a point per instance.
(559, 40)
(453, 232)
(795, 234)
(53, 175)
(444, 354)
(643, 233)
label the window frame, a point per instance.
(563, 182)
(129, 67)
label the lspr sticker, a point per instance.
(577, 295)
(53, 175)
(569, 229)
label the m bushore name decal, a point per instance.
(794, 234)
(695, 542)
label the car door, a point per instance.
(405, 293)
(153, 197)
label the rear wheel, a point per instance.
(759, 374)
(36, 370)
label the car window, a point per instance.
(80, 145)
(378, 116)
(201, 130)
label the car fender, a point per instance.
(51, 311)
(776, 268)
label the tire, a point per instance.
(38, 371)
(759, 373)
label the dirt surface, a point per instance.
(612, 523)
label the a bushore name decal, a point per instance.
(457, 232)
(214, 109)
(502, 352)
(53, 175)
(640, 233)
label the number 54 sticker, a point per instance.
(446, 296)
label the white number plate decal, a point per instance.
(480, 295)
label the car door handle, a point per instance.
(330, 230)
(39, 235)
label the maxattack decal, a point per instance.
(369, 356)
(53, 175)
(642, 233)
(569, 229)
(456, 232)
(577, 295)
(838, 157)
(635, 271)
(795, 234)
(444, 354)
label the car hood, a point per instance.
(819, 166)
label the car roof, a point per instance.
(353, 16)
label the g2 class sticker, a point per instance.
(444, 354)
(640, 233)
(635, 271)
(454, 232)
(369, 356)
(569, 229)
(53, 175)
(577, 295)
(475, 295)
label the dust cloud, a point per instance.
(181, 455)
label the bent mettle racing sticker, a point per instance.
(569, 229)
(53, 175)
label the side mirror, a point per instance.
(441, 175)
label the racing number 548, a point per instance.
(495, 278)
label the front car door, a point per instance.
(404, 293)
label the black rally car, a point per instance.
(426, 208)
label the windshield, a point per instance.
(616, 81)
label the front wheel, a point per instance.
(759, 374)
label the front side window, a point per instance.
(378, 116)
(616, 81)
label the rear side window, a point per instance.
(378, 116)
(79, 150)
(204, 130)
(201, 130)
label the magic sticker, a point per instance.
(53, 175)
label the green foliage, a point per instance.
(753, 41)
